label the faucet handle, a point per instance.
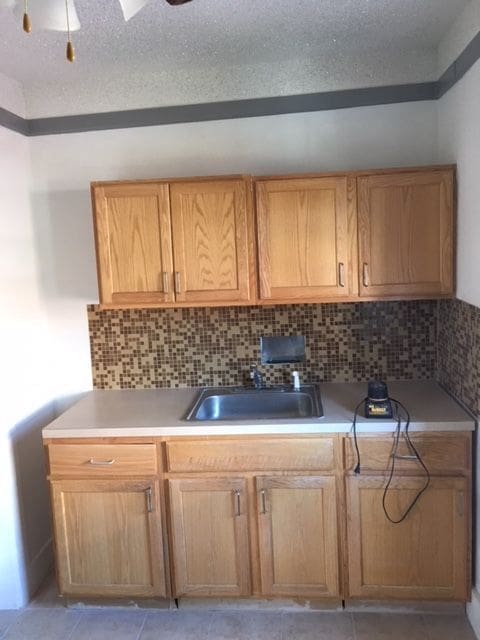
(296, 380)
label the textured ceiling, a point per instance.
(223, 49)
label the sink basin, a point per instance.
(245, 403)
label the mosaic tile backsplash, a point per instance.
(152, 348)
(458, 351)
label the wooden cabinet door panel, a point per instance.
(108, 537)
(210, 537)
(303, 238)
(425, 556)
(133, 238)
(405, 227)
(298, 535)
(212, 240)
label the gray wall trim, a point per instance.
(248, 108)
(460, 66)
(234, 109)
(11, 121)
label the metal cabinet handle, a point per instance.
(397, 456)
(178, 288)
(148, 493)
(460, 504)
(263, 497)
(165, 281)
(341, 274)
(366, 275)
(237, 498)
(101, 463)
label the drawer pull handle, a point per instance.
(341, 274)
(237, 497)
(101, 463)
(460, 504)
(397, 456)
(165, 281)
(148, 493)
(264, 500)
(178, 288)
(366, 276)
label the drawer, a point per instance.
(442, 454)
(250, 455)
(102, 460)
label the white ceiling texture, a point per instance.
(208, 50)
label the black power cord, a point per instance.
(411, 446)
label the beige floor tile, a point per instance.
(7, 618)
(176, 625)
(103, 625)
(44, 624)
(251, 625)
(448, 628)
(317, 626)
(389, 626)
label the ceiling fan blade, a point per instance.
(175, 2)
(51, 15)
(131, 7)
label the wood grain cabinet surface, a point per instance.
(178, 242)
(358, 236)
(306, 238)
(425, 556)
(235, 516)
(298, 536)
(405, 233)
(210, 540)
(108, 537)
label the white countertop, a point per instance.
(159, 412)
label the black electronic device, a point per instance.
(377, 402)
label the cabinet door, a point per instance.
(108, 537)
(425, 556)
(212, 240)
(306, 237)
(210, 537)
(298, 536)
(133, 241)
(405, 230)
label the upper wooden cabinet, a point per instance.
(133, 242)
(365, 235)
(405, 233)
(162, 243)
(212, 241)
(306, 238)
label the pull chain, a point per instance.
(70, 49)
(27, 25)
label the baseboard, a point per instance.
(39, 567)
(473, 612)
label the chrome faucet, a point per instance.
(256, 377)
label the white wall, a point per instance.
(26, 383)
(459, 141)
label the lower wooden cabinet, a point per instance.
(108, 537)
(298, 538)
(425, 556)
(269, 517)
(210, 537)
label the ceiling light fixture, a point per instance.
(61, 15)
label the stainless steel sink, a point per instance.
(246, 403)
